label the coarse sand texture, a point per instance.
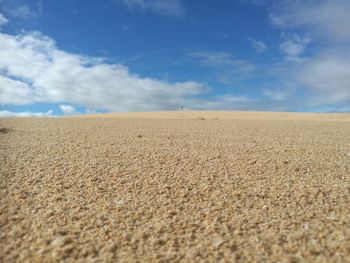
(176, 187)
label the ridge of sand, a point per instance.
(223, 115)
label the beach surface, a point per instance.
(176, 187)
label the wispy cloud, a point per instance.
(214, 58)
(325, 72)
(67, 109)
(256, 2)
(19, 12)
(226, 69)
(172, 8)
(22, 12)
(259, 46)
(328, 76)
(5, 113)
(3, 20)
(294, 45)
(277, 94)
(315, 43)
(328, 19)
(222, 59)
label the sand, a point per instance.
(176, 187)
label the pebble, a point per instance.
(60, 241)
(218, 241)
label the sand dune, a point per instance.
(176, 187)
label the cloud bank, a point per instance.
(26, 114)
(34, 70)
(324, 69)
(328, 19)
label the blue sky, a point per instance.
(73, 56)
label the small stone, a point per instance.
(121, 202)
(50, 213)
(62, 232)
(332, 216)
(191, 253)
(60, 241)
(5, 130)
(216, 242)
(112, 247)
(99, 222)
(314, 246)
(41, 251)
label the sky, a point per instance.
(88, 56)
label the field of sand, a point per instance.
(176, 187)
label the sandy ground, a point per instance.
(169, 187)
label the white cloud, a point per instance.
(256, 2)
(324, 72)
(3, 20)
(21, 12)
(214, 58)
(328, 19)
(227, 70)
(222, 59)
(277, 94)
(259, 46)
(292, 48)
(14, 91)
(67, 109)
(171, 8)
(328, 75)
(230, 98)
(294, 45)
(26, 114)
(34, 70)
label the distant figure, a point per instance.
(182, 108)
